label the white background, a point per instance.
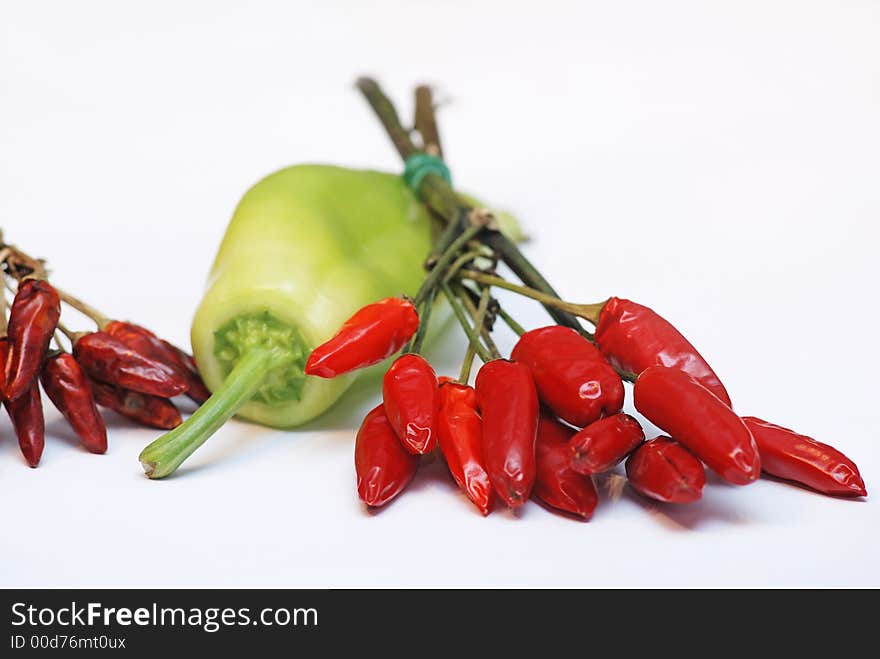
(718, 161)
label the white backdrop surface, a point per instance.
(717, 161)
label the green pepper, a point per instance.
(306, 247)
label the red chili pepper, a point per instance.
(32, 321)
(786, 454)
(664, 470)
(26, 413)
(508, 401)
(572, 376)
(109, 360)
(634, 337)
(178, 363)
(678, 404)
(383, 467)
(147, 410)
(460, 434)
(69, 390)
(604, 443)
(197, 390)
(557, 484)
(373, 333)
(411, 399)
(144, 342)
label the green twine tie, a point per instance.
(419, 165)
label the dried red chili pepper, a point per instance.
(196, 388)
(109, 360)
(508, 402)
(678, 404)
(409, 390)
(664, 470)
(144, 342)
(147, 410)
(634, 337)
(70, 391)
(572, 376)
(26, 413)
(384, 468)
(32, 321)
(789, 455)
(176, 361)
(604, 443)
(459, 430)
(557, 484)
(373, 333)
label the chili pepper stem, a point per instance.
(167, 453)
(479, 317)
(589, 312)
(467, 363)
(449, 254)
(427, 306)
(472, 332)
(441, 198)
(511, 322)
(100, 319)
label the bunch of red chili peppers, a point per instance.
(121, 366)
(545, 421)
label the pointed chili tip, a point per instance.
(314, 368)
(32, 458)
(858, 488)
(514, 499)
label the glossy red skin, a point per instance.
(557, 484)
(109, 360)
(508, 402)
(384, 468)
(147, 410)
(634, 337)
(372, 334)
(68, 387)
(786, 454)
(572, 377)
(460, 434)
(682, 407)
(196, 390)
(411, 400)
(33, 318)
(604, 443)
(664, 470)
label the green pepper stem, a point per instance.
(167, 453)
